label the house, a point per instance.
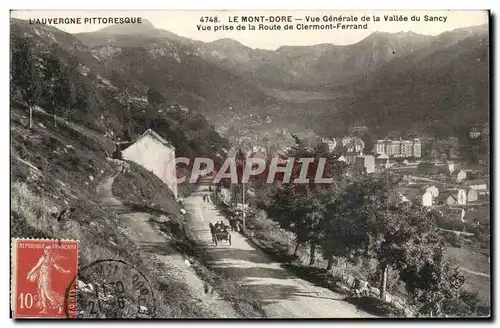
(461, 197)
(472, 195)
(354, 145)
(451, 167)
(447, 198)
(415, 195)
(382, 161)
(351, 157)
(452, 200)
(480, 129)
(478, 184)
(434, 191)
(427, 199)
(331, 143)
(461, 176)
(452, 197)
(155, 154)
(365, 163)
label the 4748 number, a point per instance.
(209, 19)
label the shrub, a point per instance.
(34, 209)
(455, 240)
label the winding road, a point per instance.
(154, 245)
(283, 294)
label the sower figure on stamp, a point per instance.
(41, 273)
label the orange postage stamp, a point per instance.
(41, 272)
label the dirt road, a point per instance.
(283, 294)
(154, 246)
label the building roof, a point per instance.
(411, 193)
(452, 213)
(426, 165)
(444, 194)
(416, 186)
(148, 132)
(157, 136)
(475, 182)
(121, 145)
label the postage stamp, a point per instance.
(41, 271)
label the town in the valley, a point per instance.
(450, 174)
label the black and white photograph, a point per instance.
(257, 164)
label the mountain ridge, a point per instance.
(226, 80)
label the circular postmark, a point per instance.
(110, 289)
(457, 281)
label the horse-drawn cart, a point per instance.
(221, 235)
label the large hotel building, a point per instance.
(399, 148)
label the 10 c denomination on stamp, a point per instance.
(41, 272)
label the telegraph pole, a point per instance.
(243, 206)
(242, 188)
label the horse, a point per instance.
(212, 231)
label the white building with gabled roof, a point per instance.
(155, 154)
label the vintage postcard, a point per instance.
(250, 164)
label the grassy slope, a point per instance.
(48, 176)
(59, 168)
(474, 261)
(139, 188)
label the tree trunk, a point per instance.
(55, 120)
(30, 123)
(313, 255)
(383, 283)
(330, 263)
(296, 249)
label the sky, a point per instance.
(184, 23)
